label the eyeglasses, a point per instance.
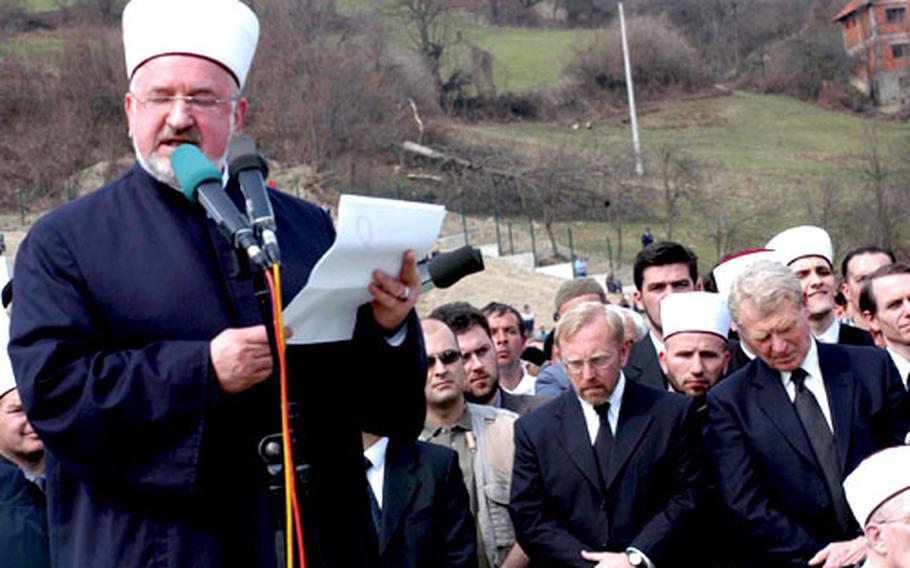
(599, 362)
(205, 103)
(903, 521)
(447, 357)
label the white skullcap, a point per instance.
(7, 380)
(225, 31)
(731, 267)
(798, 242)
(877, 479)
(699, 312)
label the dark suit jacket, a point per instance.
(738, 357)
(521, 403)
(644, 366)
(426, 522)
(768, 475)
(653, 488)
(850, 335)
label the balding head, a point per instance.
(445, 369)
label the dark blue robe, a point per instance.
(118, 295)
(23, 521)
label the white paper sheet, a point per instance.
(373, 234)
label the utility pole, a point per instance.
(636, 144)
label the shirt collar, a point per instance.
(830, 335)
(376, 453)
(746, 350)
(809, 364)
(657, 343)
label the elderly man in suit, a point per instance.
(785, 429)
(611, 472)
(660, 269)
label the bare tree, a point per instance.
(679, 177)
(428, 26)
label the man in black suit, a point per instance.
(884, 304)
(610, 472)
(660, 269)
(808, 251)
(419, 503)
(480, 362)
(786, 429)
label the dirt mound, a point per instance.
(501, 281)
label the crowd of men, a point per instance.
(745, 419)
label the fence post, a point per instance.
(398, 191)
(571, 251)
(464, 225)
(511, 242)
(610, 254)
(533, 242)
(498, 236)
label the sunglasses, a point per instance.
(447, 357)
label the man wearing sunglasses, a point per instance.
(478, 352)
(482, 436)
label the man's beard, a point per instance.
(164, 173)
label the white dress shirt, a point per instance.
(592, 419)
(830, 335)
(376, 474)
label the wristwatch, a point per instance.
(636, 558)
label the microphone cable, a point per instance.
(293, 526)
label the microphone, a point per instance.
(250, 170)
(447, 268)
(200, 182)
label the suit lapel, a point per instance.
(772, 399)
(399, 486)
(645, 364)
(839, 388)
(634, 420)
(573, 430)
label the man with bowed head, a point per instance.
(788, 427)
(610, 473)
(140, 350)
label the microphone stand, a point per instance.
(270, 447)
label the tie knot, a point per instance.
(602, 410)
(798, 376)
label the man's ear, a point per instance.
(875, 539)
(872, 321)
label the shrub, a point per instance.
(660, 57)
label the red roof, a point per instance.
(851, 7)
